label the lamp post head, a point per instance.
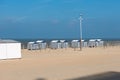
(81, 15)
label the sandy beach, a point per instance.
(61, 64)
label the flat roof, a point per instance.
(8, 41)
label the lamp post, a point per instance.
(81, 32)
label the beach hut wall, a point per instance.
(57, 44)
(95, 43)
(35, 46)
(75, 43)
(30, 45)
(64, 44)
(41, 44)
(85, 44)
(101, 43)
(92, 43)
(54, 44)
(10, 49)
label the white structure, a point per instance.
(40, 44)
(76, 43)
(10, 49)
(64, 44)
(95, 43)
(85, 44)
(99, 43)
(54, 44)
(92, 43)
(31, 46)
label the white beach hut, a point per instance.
(85, 44)
(92, 43)
(32, 46)
(95, 43)
(99, 43)
(41, 44)
(75, 43)
(10, 49)
(54, 44)
(57, 44)
(64, 44)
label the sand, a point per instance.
(61, 64)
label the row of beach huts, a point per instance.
(57, 44)
(10, 49)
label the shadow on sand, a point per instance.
(102, 76)
(40, 79)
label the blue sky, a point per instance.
(59, 18)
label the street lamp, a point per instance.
(81, 32)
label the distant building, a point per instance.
(95, 43)
(40, 44)
(54, 44)
(92, 43)
(64, 44)
(57, 44)
(76, 43)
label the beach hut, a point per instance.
(10, 49)
(41, 44)
(64, 44)
(75, 43)
(84, 43)
(54, 44)
(95, 43)
(99, 43)
(92, 43)
(32, 46)
(57, 44)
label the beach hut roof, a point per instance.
(92, 40)
(54, 41)
(82, 40)
(31, 42)
(98, 39)
(62, 40)
(39, 41)
(75, 40)
(8, 41)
